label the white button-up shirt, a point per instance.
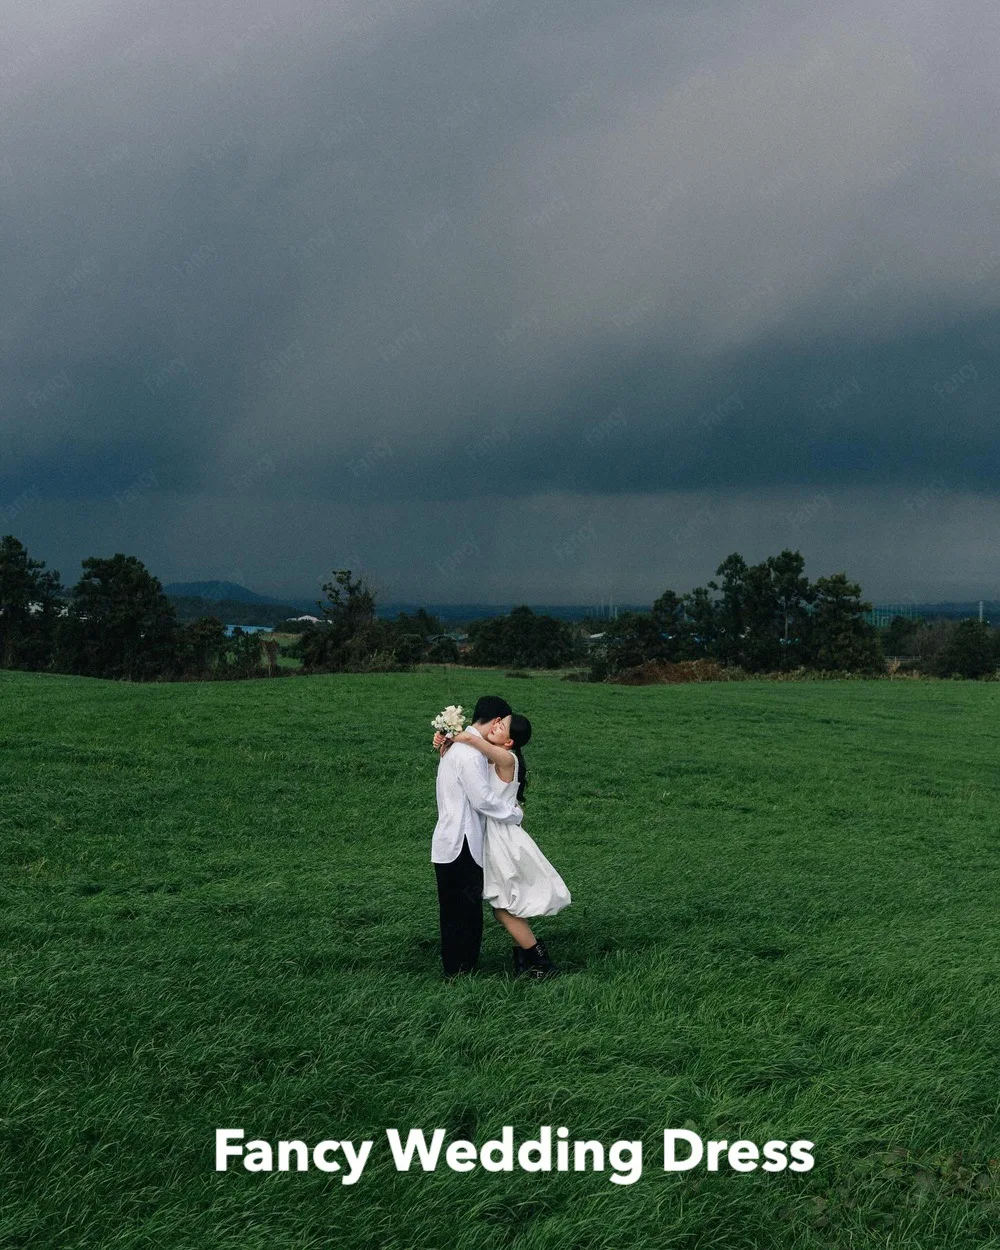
(464, 798)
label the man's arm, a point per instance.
(474, 778)
(499, 757)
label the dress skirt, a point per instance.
(516, 875)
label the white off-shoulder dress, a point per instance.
(516, 875)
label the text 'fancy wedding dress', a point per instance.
(516, 875)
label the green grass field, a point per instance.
(218, 911)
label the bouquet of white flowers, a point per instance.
(450, 721)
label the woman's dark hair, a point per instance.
(489, 707)
(520, 732)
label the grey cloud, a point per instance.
(390, 259)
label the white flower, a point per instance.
(450, 721)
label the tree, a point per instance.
(971, 651)
(900, 634)
(761, 645)
(668, 613)
(731, 608)
(793, 597)
(746, 614)
(373, 648)
(421, 623)
(701, 634)
(762, 612)
(523, 639)
(630, 639)
(202, 647)
(245, 656)
(120, 623)
(29, 607)
(350, 638)
(839, 637)
(408, 648)
(350, 603)
(412, 636)
(929, 642)
(443, 650)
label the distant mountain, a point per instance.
(482, 611)
(947, 610)
(958, 611)
(443, 611)
(216, 591)
(232, 611)
(231, 593)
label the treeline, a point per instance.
(759, 618)
(351, 638)
(116, 622)
(233, 611)
(525, 639)
(943, 648)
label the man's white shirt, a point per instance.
(464, 799)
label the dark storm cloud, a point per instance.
(381, 262)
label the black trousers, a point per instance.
(460, 905)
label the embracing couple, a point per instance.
(479, 850)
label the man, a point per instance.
(464, 799)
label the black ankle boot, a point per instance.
(520, 960)
(540, 966)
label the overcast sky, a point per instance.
(502, 301)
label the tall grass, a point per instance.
(218, 911)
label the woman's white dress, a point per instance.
(516, 875)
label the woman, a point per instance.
(518, 881)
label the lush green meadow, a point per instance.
(218, 911)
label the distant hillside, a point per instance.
(482, 611)
(212, 595)
(953, 611)
(959, 611)
(233, 603)
(215, 591)
(232, 611)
